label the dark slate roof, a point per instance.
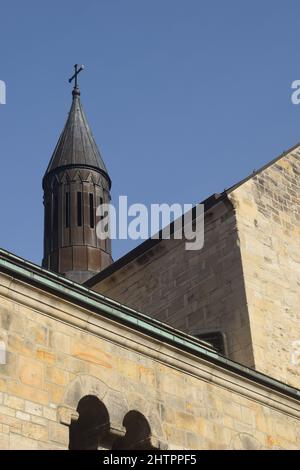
(76, 145)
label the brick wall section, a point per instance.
(203, 408)
(268, 218)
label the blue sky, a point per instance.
(185, 97)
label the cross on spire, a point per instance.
(78, 68)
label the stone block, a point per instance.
(58, 433)
(35, 431)
(18, 442)
(30, 372)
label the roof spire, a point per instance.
(76, 146)
(78, 68)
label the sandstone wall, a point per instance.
(268, 219)
(58, 352)
(194, 291)
(245, 281)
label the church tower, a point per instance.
(76, 182)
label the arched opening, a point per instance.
(87, 433)
(138, 433)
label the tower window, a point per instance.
(92, 218)
(55, 213)
(47, 217)
(79, 209)
(67, 210)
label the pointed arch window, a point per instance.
(79, 209)
(55, 213)
(67, 210)
(47, 225)
(92, 216)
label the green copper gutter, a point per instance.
(33, 274)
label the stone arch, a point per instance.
(121, 418)
(81, 386)
(113, 401)
(89, 431)
(138, 433)
(149, 410)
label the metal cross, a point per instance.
(78, 68)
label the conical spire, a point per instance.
(75, 184)
(76, 145)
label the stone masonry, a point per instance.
(245, 282)
(59, 351)
(267, 209)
